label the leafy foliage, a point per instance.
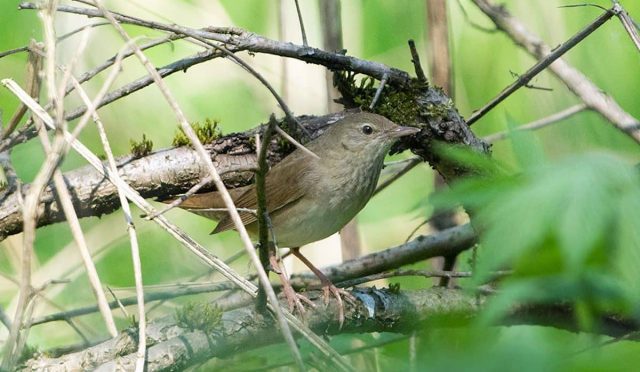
(564, 227)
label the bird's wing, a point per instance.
(283, 186)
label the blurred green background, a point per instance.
(375, 30)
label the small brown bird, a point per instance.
(310, 198)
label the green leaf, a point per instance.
(524, 145)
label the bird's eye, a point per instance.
(367, 129)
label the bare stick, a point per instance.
(182, 198)
(263, 231)
(415, 59)
(59, 39)
(304, 34)
(57, 151)
(67, 71)
(544, 62)
(30, 211)
(78, 236)
(133, 240)
(376, 97)
(627, 23)
(39, 293)
(34, 65)
(284, 67)
(296, 143)
(540, 123)
(136, 85)
(422, 273)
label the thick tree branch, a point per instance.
(173, 347)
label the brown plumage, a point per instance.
(309, 199)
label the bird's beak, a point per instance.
(403, 131)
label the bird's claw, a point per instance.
(295, 300)
(338, 293)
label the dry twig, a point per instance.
(579, 84)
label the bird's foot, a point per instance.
(294, 299)
(329, 288)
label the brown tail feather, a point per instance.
(197, 202)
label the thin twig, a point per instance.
(14, 51)
(58, 149)
(182, 198)
(50, 302)
(629, 25)
(415, 230)
(415, 59)
(422, 273)
(125, 313)
(296, 143)
(70, 66)
(540, 123)
(472, 23)
(78, 236)
(376, 97)
(74, 224)
(304, 34)
(418, 250)
(60, 38)
(541, 65)
(236, 40)
(262, 217)
(34, 65)
(131, 230)
(383, 341)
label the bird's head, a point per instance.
(366, 134)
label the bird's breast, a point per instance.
(335, 195)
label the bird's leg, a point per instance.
(293, 298)
(327, 285)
